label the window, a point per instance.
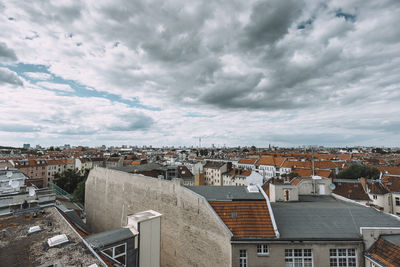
(118, 253)
(298, 258)
(375, 196)
(397, 201)
(262, 250)
(343, 257)
(243, 258)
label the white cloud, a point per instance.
(323, 77)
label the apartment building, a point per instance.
(213, 171)
(32, 168)
(384, 193)
(55, 166)
(239, 225)
(247, 164)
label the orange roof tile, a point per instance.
(252, 218)
(266, 161)
(296, 181)
(385, 252)
(392, 183)
(352, 190)
(389, 169)
(279, 161)
(247, 161)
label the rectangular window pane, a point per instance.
(119, 249)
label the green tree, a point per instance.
(356, 171)
(68, 180)
(79, 192)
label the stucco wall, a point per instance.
(191, 234)
(320, 252)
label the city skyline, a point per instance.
(289, 73)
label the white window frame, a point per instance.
(397, 201)
(118, 255)
(262, 250)
(243, 258)
(347, 256)
(374, 196)
(291, 256)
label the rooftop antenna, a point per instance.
(312, 150)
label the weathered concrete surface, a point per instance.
(191, 234)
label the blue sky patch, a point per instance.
(79, 89)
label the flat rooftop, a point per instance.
(326, 218)
(20, 249)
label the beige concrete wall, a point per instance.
(396, 209)
(276, 256)
(277, 192)
(306, 187)
(381, 200)
(192, 234)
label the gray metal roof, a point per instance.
(324, 217)
(225, 192)
(104, 239)
(394, 239)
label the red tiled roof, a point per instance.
(351, 190)
(184, 172)
(377, 188)
(279, 161)
(266, 161)
(324, 164)
(392, 183)
(308, 172)
(247, 161)
(296, 181)
(389, 169)
(240, 172)
(386, 252)
(252, 218)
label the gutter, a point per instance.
(271, 213)
(83, 240)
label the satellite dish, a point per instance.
(14, 184)
(9, 174)
(332, 186)
(31, 192)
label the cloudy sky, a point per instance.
(233, 72)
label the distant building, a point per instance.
(213, 171)
(26, 146)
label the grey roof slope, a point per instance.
(103, 239)
(214, 164)
(222, 192)
(394, 239)
(326, 218)
(144, 167)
